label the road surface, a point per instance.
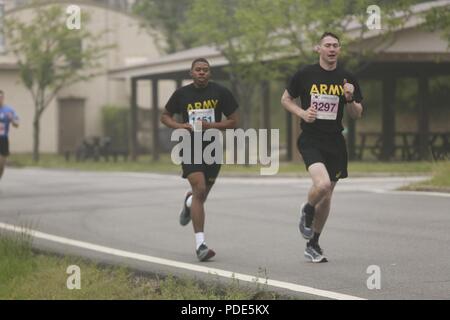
(252, 224)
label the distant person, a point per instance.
(7, 116)
(210, 100)
(325, 90)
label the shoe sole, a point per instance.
(310, 257)
(306, 237)
(302, 228)
(208, 255)
(183, 221)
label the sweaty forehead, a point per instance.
(201, 64)
(329, 39)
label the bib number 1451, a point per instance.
(206, 115)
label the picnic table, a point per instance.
(407, 143)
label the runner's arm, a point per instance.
(355, 109)
(168, 120)
(230, 123)
(290, 105)
(14, 120)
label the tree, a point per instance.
(264, 39)
(233, 27)
(438, 19)
(50, 57)
(163, 18)
(300, 23)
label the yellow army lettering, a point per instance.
(333, 89)
(207, 104)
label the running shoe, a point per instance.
(204, 253)
(314, 253)
(307, 232)
(185, 214)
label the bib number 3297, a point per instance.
(326, 105)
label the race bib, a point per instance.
(206, 115)
(2, 129)
(326, 105)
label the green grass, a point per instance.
(26, 274)
(144, 164)
(440, 180)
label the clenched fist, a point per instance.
(349, 89)
(310, 115)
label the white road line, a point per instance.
(412, 193)
(181, 265)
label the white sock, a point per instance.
(199, 239)
(189, 201)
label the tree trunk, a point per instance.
(36, 129)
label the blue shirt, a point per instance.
(4, 119)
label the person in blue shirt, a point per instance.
(7, 116)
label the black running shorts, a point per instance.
(329, 149)
(4, 146)
(211, 171)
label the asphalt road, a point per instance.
(251, 224)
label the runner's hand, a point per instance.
(310, 115)
(185, 126)
(349, 89)
(206, 125)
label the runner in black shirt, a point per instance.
(207, 100)
(324, 90)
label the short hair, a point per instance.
(329, 34)
(1, 92)
(199, 60)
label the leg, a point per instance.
(322, 210)
(211, 174)
(321, 183)
(2, 165)
(199, 194)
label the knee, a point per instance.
(324, 188)
(199, 192)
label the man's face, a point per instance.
(329, 49)
(201, 73)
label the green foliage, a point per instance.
(163, 19)
(25, 274)
(269, 39)
(115, 122)
(51, 56)
(439, 20)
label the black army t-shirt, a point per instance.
(325, 91)
(206, 104)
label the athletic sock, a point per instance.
(189, 201)
(315, 239)
(199, 239)
(309, 214)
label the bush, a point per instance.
(115, 122)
